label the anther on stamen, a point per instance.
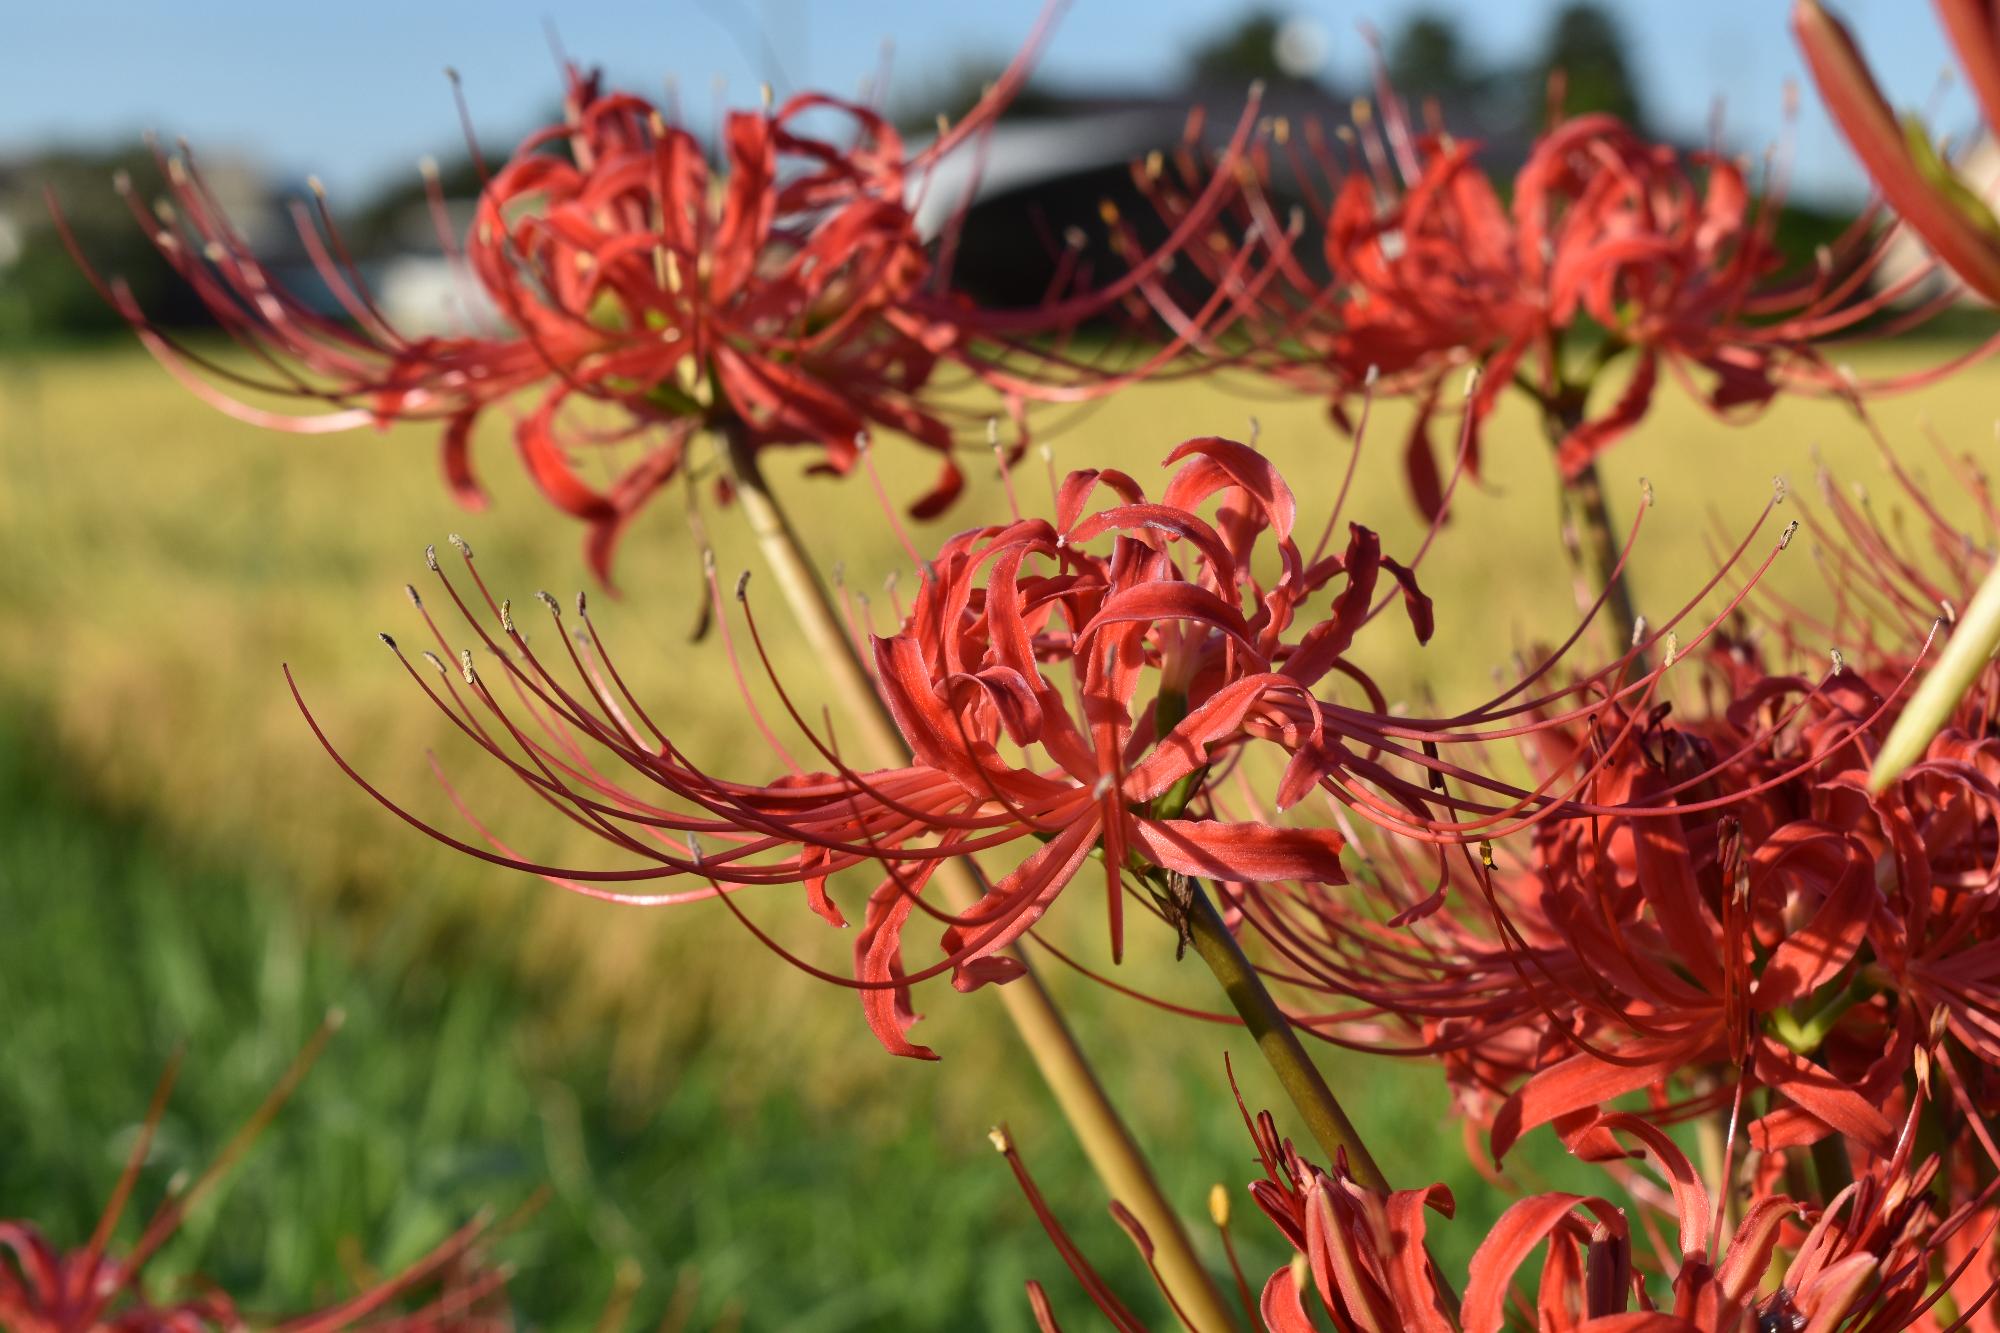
(582, 603)
(1950, 611)
(1374, 374)
(387, 640)
(548, 599)
(1002, 1142)
(1471, 382)
(742, 585)
(464, 547)
(694, 849)
(435, 661)
(410, 591)
(431, 557)
(1778, 490)
(1785, 537)
(465, 665)
(507, 615)
(1839, 662)
(1218, 1204)
(1645, 493)
(1673, 650)
(1638, 630)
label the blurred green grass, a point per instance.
(738, 1200)
(183, 865)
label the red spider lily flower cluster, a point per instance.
(1953, 219)
(1606, 242)
(1913, 177)
(785, 295)
(1079, 684)
(45, 1289)
(1015, 682)
(1880, 1255)
(1744, 924)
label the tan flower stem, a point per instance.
(1098, 1127)
(1276, 1040)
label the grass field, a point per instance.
(181, 864)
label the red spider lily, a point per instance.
(44, 1289)
(1608, 243)
(1954, 220)
(1914, 177)
(1745, 914)
(1015, 684)
(785, 295)
(1078, 684)
(1877, 1257)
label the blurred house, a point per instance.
(414, 279)
(1037, 182)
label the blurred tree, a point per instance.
(1426, 59)
(1263, 44)
(1587, 46)
(398, 216)
(43, 294)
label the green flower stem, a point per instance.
(1966, 653)
(1588, 534)
(1095, 1121)
(1280, 1045)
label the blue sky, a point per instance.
(355, 92)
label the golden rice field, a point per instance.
(162, 562)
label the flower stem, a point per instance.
(1966, 653)
(1325, 1118)
(1596, 553)
(1280, 1045)
(1106, 1141)
(1588, 534)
